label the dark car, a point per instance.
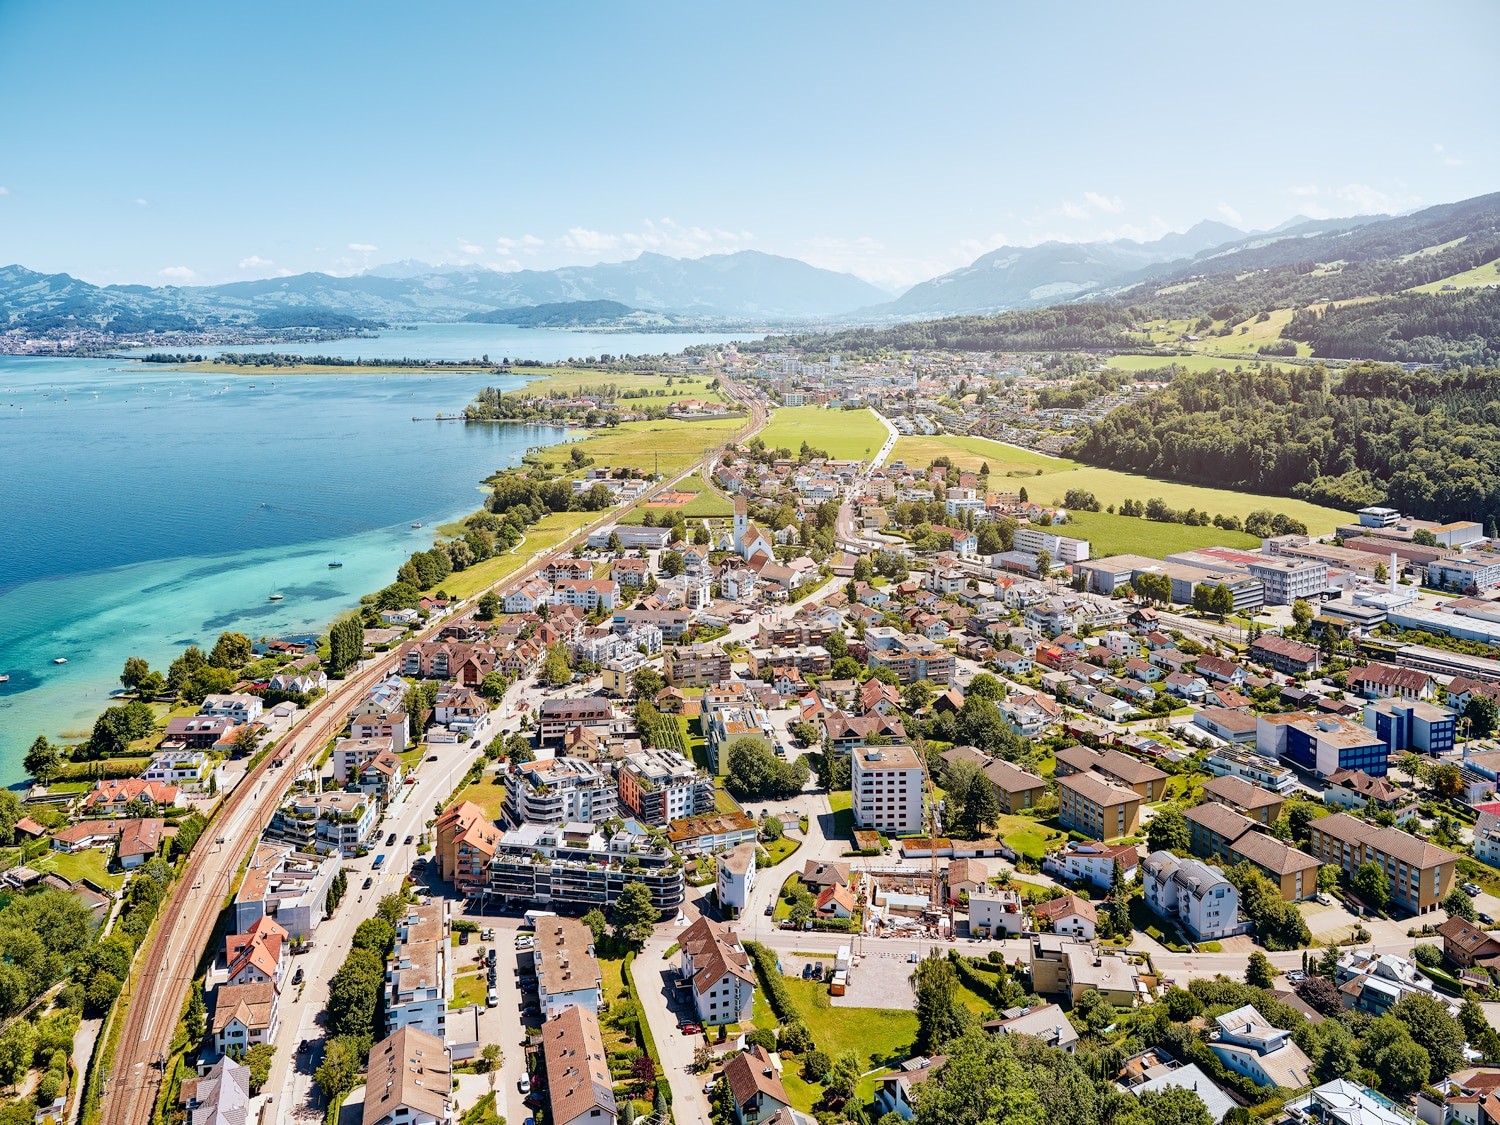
(369, 881)
(409, 839)
(297, 976)
(463, 937)
(390, 841)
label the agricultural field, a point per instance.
(705, 505)
(1487, 274)
(567, 380)
(1131, 535)
(845, 434)
(973, 452)
(672, 445)
(541, 536)
(1186, 362)
(1112, 487)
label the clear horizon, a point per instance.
(189, 145)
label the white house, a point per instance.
(718, 968)
(736, 876)
(1247, 1043)
(240, 706)
(996, 914)
(1089, 861)
(192, 771)
(1192, 894)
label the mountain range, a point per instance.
(744, 289)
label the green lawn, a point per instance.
(1131, 535)
(780, 849)
(1186, 362)
(668, 444)
(973, 452)
(841, 801)
(1487, 274)
(1111, 487)
(568, 380)
(845, 434)
(485, 793)
(879, 1036)
(92, 865)
(1028, 837)
(545, 534)
(468, 989)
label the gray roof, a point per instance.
(1190, 1077)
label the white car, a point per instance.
(524, 1085)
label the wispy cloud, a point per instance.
(1322, 202)
(139, 202)
(255, 262)
(469, 249)
(178, 273)
(363, 247)
(1449, 160)
(663, 236)
(1229, 213)
(1090, 205)
(4, 190)
(1110, 205)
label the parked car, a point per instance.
(487, 935)
(491, 999)
(409, 839)
(432, 757)
(691, 1029)
(297, 976)
(770, 909)
(369, 882)
(1486, 919)
(390, 841)
(463, 937)
(1472, 889)
(524, 1085)
(1325, 900)
(1296, 976)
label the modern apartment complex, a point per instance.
(575, 868)
(659, 786)
(887, 783)
(560, 791)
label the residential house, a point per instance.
(897, 1091)
(258, 955)
(464, 845)
(755, 1086)
(244, 1015)
(408, 1081)
(580, 1087)
(719, 972)
(1249, 1044)
(1067, 914)
(1092, 862)
(734, 876)
(1047, 1023)
(1291, 657)
(567, 971)
(1192, 894)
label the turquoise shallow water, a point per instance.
(142, 510)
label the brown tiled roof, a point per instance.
(716, 952)
(408, 1068)
(1095, 788)
(1012, 779)
(1273, 855)
(252, 1003)
(578, 1078)
(1219, 818)
(565, 961)
(1400, 846)
(1061, 907)
(1466, 936)
(1237, 791)
(749, 1074)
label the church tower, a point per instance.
(741, 519)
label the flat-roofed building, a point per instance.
(559, 716)
(567, 971)
(659, 786)
(887, 784)
(560, 791)
(287, 885)
(1260, 805)
(695, 665)
(1287, 579)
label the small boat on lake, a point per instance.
(59, 660)
(4, 677)
(416, 525)
(273, 597)
(334, 565)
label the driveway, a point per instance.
(653, 982)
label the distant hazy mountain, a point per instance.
(748, 285)
(565, 314)
(1014, 277)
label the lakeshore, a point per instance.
(191, 548)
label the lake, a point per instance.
(144, 510)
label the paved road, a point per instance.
(188, 915)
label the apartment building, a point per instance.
(695, 665)
(1065, 550)
(419, 971)
(718, 971)
(1140, 777)
(559, 716)
(659, 786)
(1260, 805)
(350, 755)
(1420, 873)
(1090, 862)
(734, 876)
(192, 771)
(324, 822)
(725, 725)
(887, 784)
(1229, 762)
(1015, 788)
(910, 656)
(408, 1081)
(715, 832)
(464, 840)
(287, 885)
(1322, 744)
(560, 791)
(1290, 657)
(569, 868)
(567, 971)
(1192, 894)
(580, 1088)
(1097, 807)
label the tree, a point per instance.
(1447, 781)
(614, 545)
(1372, 884)
(633, 916)
(842, 1078)
(1483, 716)
(672, 563)
(518, 749)
(491, 1059)
(1302, 614)
(195, 1019)
(980, 808)
(1320, 994)
(1382, 574)
(1168, 831)
(648, 682)
(493, 686)
(556, 670)
(770, 829)
(1389, 1050)
(42, 761)
(756, 773)
(231, 650)
(918, 695)
(1428, 1022)
(643, 1070)
(354, 993)
(985, 686)
(258, 1059)
(1044, 563)
(17, 1046)
(1459, 905)
(342, 1066)
(488, 607)
(794, 1037)
(596, 923)
(136, 670)
(815, 1065)
(1258, 972)
(940, 1014)
(1175, 1105)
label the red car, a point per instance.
(691, 1029)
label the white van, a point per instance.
(492, 999)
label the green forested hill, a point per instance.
(1449, 329)
(1425, 442)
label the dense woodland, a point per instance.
(1445, 329)
(1067, 327)
(1425, 442)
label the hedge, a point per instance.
(974, 981)
(771, 980)
(647, 1041)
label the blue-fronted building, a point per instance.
(1412, 725)
(1326, 744)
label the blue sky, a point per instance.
(196, 142)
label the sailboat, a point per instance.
(274, 596)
